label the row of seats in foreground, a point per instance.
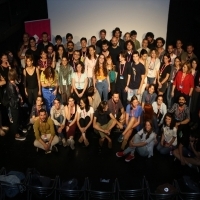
(34, 186)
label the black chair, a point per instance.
(103, 189)
(156, 196)
(41, 187)
(135, 193)
(15, 189)
(185, 192)
(78, 193)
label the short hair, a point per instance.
(69, 35)
(42, 110)
(135, 52)
(149, 34)
(102, 31)
(32, 38)
(142, 52)
(70, 42)
(105, 42)
(57, 99)
(133, 32)
(93, 37)
(58, 37)
(189, 44)
(115, 92)
(160, 95)
(30, 57)
(123, 54)
(44, 33)
(12, 75)
(102, 106)
(182, 96)
(162, 39)
(90, 91)
(83, 38)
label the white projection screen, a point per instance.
(85, 18)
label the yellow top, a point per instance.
(100, 75)
(53, 82)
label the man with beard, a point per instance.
(116, 108)
(102, 38)
(151, 42)
(182, 116)
(170, 51)
(70, 49)
(160, 42)
(105, 47)
(83, 51)
(188, 55)
(129, 53)
(117, 33)
(44, 43)
(93, 42)
(75, 60)
(144, 46)
(178, 51)
(114, 50)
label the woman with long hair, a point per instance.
(65, 79)
(45, 62)
(153, 63)
(31, 81)
(90, 62)
(49, 83)
(71, 121)
(183, 83)
(79, 82)
(4, 66)
(143, 142)
(101, 78)
(169, 136)
(175, 68)
(163, 74)
(84, 119)
(60, 53)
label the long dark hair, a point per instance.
(86, 102)
(105, 71)
(89, 56)
(57, 54)
(48, 71)
(172, 124)
(101, 106)
(151, 130)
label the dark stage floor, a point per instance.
(87, 162)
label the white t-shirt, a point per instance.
(79, 81)
(89, 66)
(169, 134)
(153, 67)
(83, 113)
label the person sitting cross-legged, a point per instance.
(188, 151)
(133, 115)
(103, 123)
(45, 133)
(84, 119)
(58, 116)
(143, 142)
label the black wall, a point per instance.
(184, 23)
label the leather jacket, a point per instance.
(14, 100)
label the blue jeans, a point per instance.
(102, 88)
(164, 150)
(59, 120)
(131, 93)
(48, 97)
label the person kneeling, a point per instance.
(143, 142)
(84, 119)
(103, 122)
(45, 133)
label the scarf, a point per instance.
(65, 72)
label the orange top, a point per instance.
(100, 75)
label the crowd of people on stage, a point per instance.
(146, 93)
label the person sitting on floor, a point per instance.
(169, 136)
(188, 151)
(143, 142)
(84, 119)
(35, 109)
(45, 137)
(93, 97)
(182, 116)
(57, 113)
(103, 123)
(116, 108)
(133, 115)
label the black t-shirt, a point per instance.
(36, 55)
(136, 73)
(99, 43)
(83, 53)
(102, 118)
(70, 56)
(164, 71)
(41, 46)
(114, 53)
(122, 74)
(152, 45)
(129, 57)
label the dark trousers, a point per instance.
(84, 122)
(32, 96)
(122, 96)
(15, 118)
(77, 99)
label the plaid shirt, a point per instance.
(180, 115)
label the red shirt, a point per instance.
(184, 84)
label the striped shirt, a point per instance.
(180, 114)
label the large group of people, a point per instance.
(147, 93)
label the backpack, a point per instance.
(12, 178)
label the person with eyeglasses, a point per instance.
(133, 120)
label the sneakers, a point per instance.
(68, 142)
(60, 141)
(120, 154)
(20, 138)
(129, 158)
(54, 149)
(64, 142)
(72, 144)
(120, 139)
(47, 152)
